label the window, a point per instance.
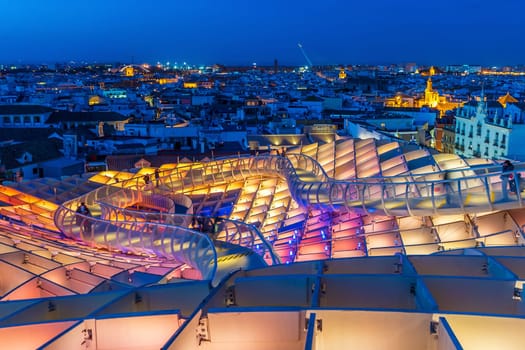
(36, 119)
(27, 119)
(7, 120)
(16, 119)
(458, 128)
(95, 167)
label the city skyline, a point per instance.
(235, 32)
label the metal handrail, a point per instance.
(355, 192)
(370, 194)
(173, 242)
(229, 231)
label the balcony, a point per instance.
(487, 141)
(502, 146)
(477, 154)
(470, 135)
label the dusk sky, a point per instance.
(246, 31)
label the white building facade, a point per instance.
(488, 130)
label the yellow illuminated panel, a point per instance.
(129, 71)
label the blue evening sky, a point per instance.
(245, 31)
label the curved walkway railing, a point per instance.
(114, 226)
(219, 229)
(127, 234)
(139, 237)
(407, 194)
(173, 242)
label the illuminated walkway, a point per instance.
(465, 190)
(136, 273)
(309, 186)
(116, 226)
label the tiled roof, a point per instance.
(26, 134)
(520, 105)
(494, 104)
(312, 98)
(65, 116)
(23, 109)
(40, 149)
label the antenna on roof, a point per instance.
(310, 65)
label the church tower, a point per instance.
(342, 73)
(431, 96)
(429, 85)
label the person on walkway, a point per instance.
(157, 177)
(450, 194)
(147, 183)
(505, 178)
(81, 220)
(78, 218)
(83, 209)
(19, 175)
(216, 226)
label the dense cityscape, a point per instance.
(178, 206)
(100, 113)
(262, 175)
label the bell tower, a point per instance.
(342, 73)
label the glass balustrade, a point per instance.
(115, 225)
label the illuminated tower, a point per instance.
(342, 73)
(431, 96)
(129, 71)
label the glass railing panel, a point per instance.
(307, 182)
